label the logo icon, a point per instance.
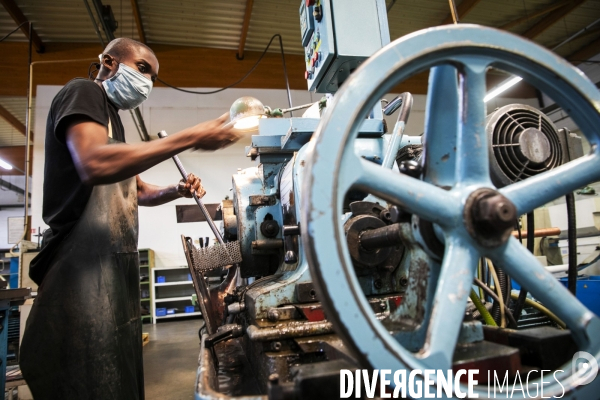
(585, 368)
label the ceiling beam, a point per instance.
(586, 52)
(138, 21)
(463, 9)
(13, 188)
(17, 15)
(15, 156)
(11, 119)
(552, 18)
(182, 66)
(529, 16)
(245, 26)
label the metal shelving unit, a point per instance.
(175, 292)
(146, 290)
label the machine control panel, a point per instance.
(330, 56)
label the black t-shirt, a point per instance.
(65, 195)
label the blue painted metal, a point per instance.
(348, 33)
(334, 168)
(588, 291)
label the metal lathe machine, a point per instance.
(352, 246)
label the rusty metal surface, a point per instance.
(289, 330)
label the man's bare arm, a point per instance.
(99, 163)
(151, 195)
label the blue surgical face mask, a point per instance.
(128, 88)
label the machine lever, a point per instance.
(224, 332)
(184, 174)
(404, 101)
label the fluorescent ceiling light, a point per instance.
(5, 165)
(504, 86)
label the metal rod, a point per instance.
(453, 11)
(184, 174)
(89, 10)
(287, 82)
(573, 36)
(28, 135)
(539, 232)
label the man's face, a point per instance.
(140, 59)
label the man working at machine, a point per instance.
(83, 336)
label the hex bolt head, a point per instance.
(378, 284)
(383, 306)
(403, 281)
(495, 212)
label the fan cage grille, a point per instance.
(505, 144)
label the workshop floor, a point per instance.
(171, 359)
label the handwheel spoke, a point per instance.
(538, 190)
(472, 163)
(522, 266)
(441, 126)
(453, 288)
(415, 196)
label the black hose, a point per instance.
(572, 238)
(503, 282)
(530, 242)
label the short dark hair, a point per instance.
(121, 47)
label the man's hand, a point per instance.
(214, 134)
(192, 185)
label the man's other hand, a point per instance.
(214, 134)
(192, 185)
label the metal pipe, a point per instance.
(543, 232)
(387, 236)
(28, 136)
(184, 174)
(289, 330)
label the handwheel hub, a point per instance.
(489, 217)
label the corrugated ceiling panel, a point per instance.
(275, 16)
(194, 23)
(68, 20)
(9, 136)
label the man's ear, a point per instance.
(109, 63)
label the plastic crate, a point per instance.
(189, 309)
(160, 279)
(161, 312)
(171, 311)
(189, 277)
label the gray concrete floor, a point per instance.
(171, 359)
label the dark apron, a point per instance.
(83, 338)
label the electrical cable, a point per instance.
(490, 292)
(499, 292)
(16, 29)
(485, 314)
(277, 35)
(572, 243)
(542, 309)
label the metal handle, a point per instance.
(405, 100)
(184, 174)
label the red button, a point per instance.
(309, 3)
(306, 74)
(316, 56)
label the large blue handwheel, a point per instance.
(456, 183)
